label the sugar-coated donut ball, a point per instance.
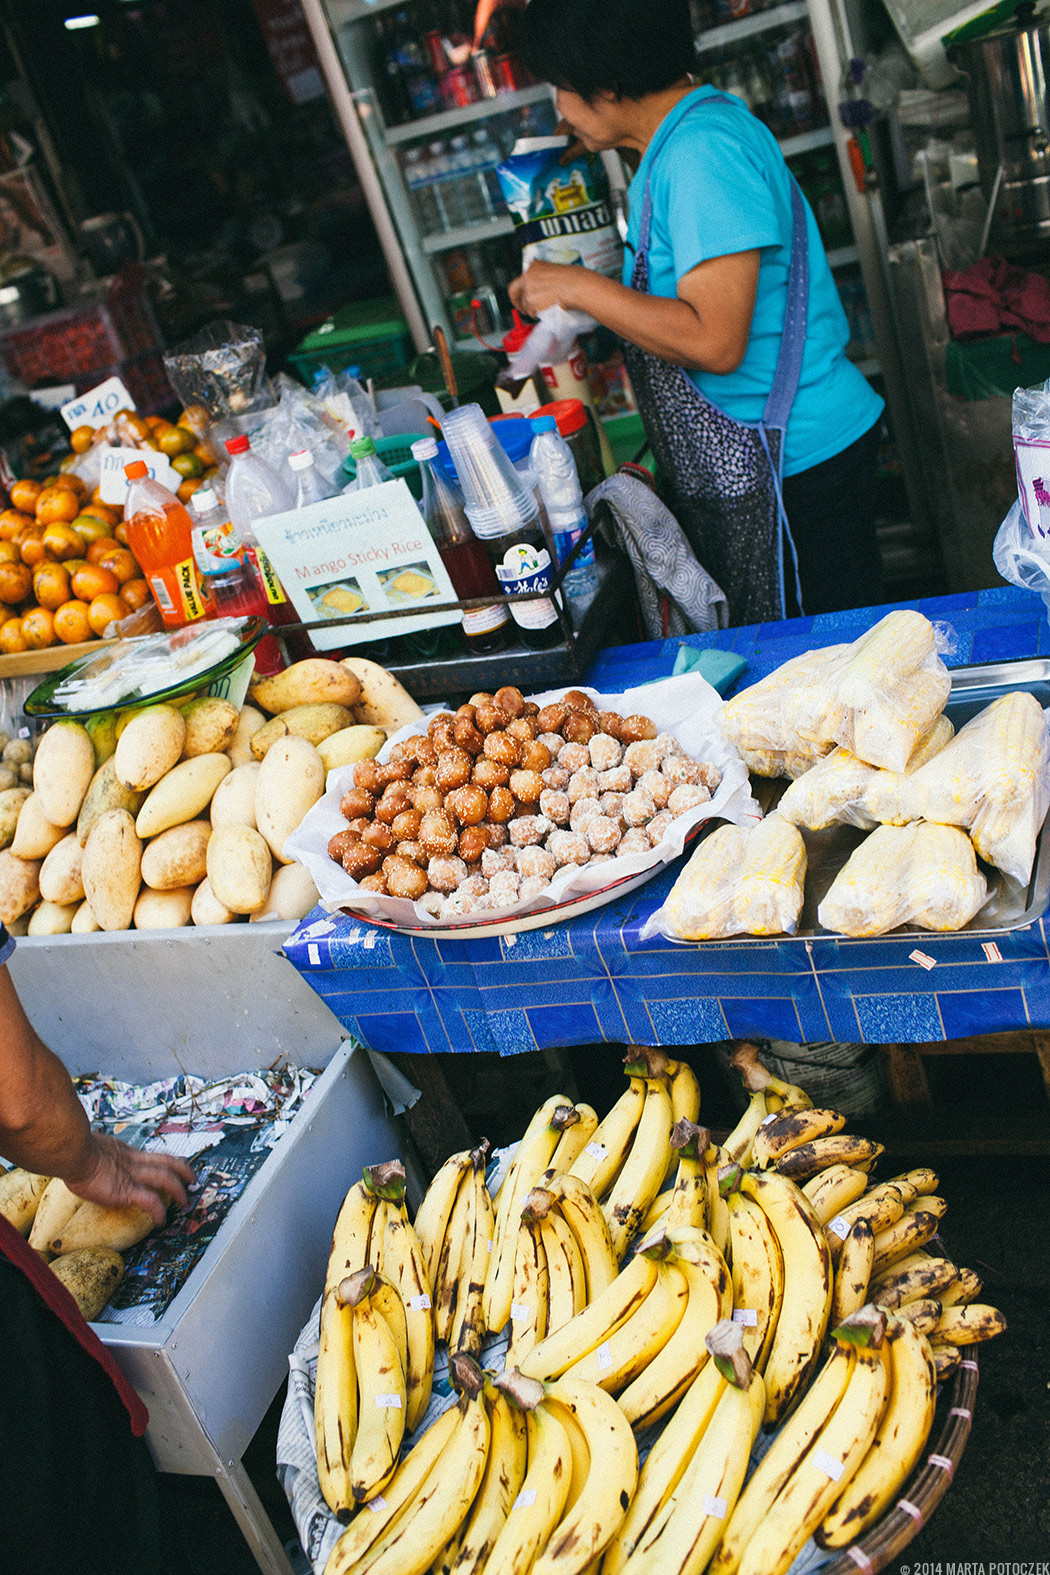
(583, 811)
(657, 786)
(556, 777)
(574, 756)
(535, 861)
(602, 833)
(431, 902)
(583, 784)
(552, 741)
(528, 829)
(687, 796)
(503, 889)
(636, 840)
(657, 827)
(445, 873)
(618, 780)
(710, 777)
(676, 769)
(531, 887)
(611, 804)
(638, 808)
(605, 752)
(642, 756)
(568, 847)
(493, 860)
(555, 806)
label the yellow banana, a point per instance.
(446, 1496)
(468, 1324)
(401, 1262)
(882, 1207)
(607, 1313)
(568, 1248)
(688, 1205)
(458, 1239)
(717, 1208)
(589, 1524)
(350, 1238)
(853, 1272)
(775, 1468)
(575, 1136)
(661, 1385)
(582, 1213)
(758, 1275)
(656, 1212)
(435, 1211)
(833, 1458)
(380, 1389)
(967, 1325)
(946, 1358)
(915, 1228)
(691, 1245)
(533, 1156)
(922, 1180)
(738, 1145)
(790, 1130)
(833, 1189)
(367, 1531)
(924, 1314)
(601, 1161)
(966, 1287)
(757, 1077)
(538, 1506)
(628, 1350)
(530, 1303)
(683, 1535)
(933, 1277)
(806, 1303)
(389, 1305)
(899, 1442)
(500, 1485)
(335, 1405)
(579, 1451)
(841, 1148)
(666, 1464)
(643, 1172)
(685, 1098)
(911, 1260)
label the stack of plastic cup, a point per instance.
(497, 498)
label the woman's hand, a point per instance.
(119, 1176)
(546, 284)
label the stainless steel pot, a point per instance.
(1008, 75)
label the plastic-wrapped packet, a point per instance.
(346, 402)
(301, 421)
(1021, 551)
(842, 790)
(738, 882)
(780, 762)
(876, 697)
(994, 780)
(223, 368)
(918, 874)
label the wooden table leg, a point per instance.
(906, 1075)
(1041, 1046)
(435, 1121)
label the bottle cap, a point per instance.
(361, 447)
(136, 469)
(302, 459)
(237, 445)
(543, 424)
(424, 448)
(518, 334)
(570, 414)
(203, 500)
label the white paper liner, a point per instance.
(686, 706)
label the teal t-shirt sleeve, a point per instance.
(711, 197)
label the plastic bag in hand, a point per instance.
(739, 882)
(876, 697)
(919, 874)
(842, 790)
(993, 779)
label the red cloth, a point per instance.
(54, 1293)
(994, 297)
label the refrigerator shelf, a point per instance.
(746, 26)
(448, 119)
(806, 141)
(467, 235)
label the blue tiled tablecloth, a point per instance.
(591, 979)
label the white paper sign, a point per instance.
(360, 552)
(113, 484)
(98, 406)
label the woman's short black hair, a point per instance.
(626, 47)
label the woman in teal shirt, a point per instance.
(733, 330)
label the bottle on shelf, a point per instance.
(310, 485)
(229, 580)
(439, 169)
(471, 189)
(371, 472)
(550, 458)
(253, 492)
(160, 534)
(420, 182)
(488, 157)
(420, 84)
(485, 629)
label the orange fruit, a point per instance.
(87, 526)
(101, 511)
(98, 548)
(104, 610)
(121, 531)
(38, 629)
(175, 440)
(135, 594)
(187, 488)
(71, 565)
(94, 581)
(188, 466)
(31, 550)
(12, 521)
(72, 483)
(73, 623)
(51, 584)
(62, 541)
(120, 563)
(81, 439)
(9, 552)
(16, 582)
(157, 423)
(57, 505)
(12, 640)
(24, 495)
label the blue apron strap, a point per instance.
(793, 338)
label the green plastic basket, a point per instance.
(396, 454)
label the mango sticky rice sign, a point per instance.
(359, 554)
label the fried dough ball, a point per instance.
(602, 833)
(379, 835)
(467, 735)
(535, 756)
(366, 774)
(445, 872)
(357, 802)
(526, 786)
(360, 860)
(611, 723)
(556, 778)
(501, 804)
(568, 847)
(488, 718)
(495, 835)
(528, 829)
(453, 769)
(393, 803)
(687, 795)
(634, 728)
(580, 726)
(339, 843)
(555, 806)
(489, 773)
(636, 840)
(657, 786)
(618, 780)
(638, 808)
(437, 833)
(405, 826)
(504, 888)
(657, 827)
(427, 798)
(493, 860)
(576, 700)
(552, 717)
(583, 784)
(605, 752)
(535, 860)
(583, 811)
(510, 700)
(469, 804)
(642, 755)
(403, 878)
(503, 747)
(472, 844)
(375, 883)
(574, 756)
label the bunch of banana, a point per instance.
(767, 1096)
(455, 1226)
(801, 1298)
(563, 1258)
(359, 1398)
(686, 1492)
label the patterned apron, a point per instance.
(724, 476)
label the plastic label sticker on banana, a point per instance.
(919, 874)
(877, 698)
(738, 882)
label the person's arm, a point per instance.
(43, 1126)
(705, 329)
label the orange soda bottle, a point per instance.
(160, 534)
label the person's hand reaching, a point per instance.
(546, 284)
(119, 1176)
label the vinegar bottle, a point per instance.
(229, 577)
(485, 629)
(160, 534)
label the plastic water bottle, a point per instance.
(488, 158)
(550, 459)
(310, 485)
(471, 182)
(371, 472)
(253, 492)
(439, 166)
(419, 180)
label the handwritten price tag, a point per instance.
(98, 406)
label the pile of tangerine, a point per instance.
(65, 569)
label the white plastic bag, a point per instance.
(918, 874)
(741, 880)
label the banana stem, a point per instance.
(725, 1342)
(353, 1290)
(745, 1058)
(729, 1179)
(479, 1155)
(526, 1393)
(865, 1327)
(647, 1061)
(688, 1140)
(385, 1181)
(657, 1247)
(537, 1205)
(467, 1377)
